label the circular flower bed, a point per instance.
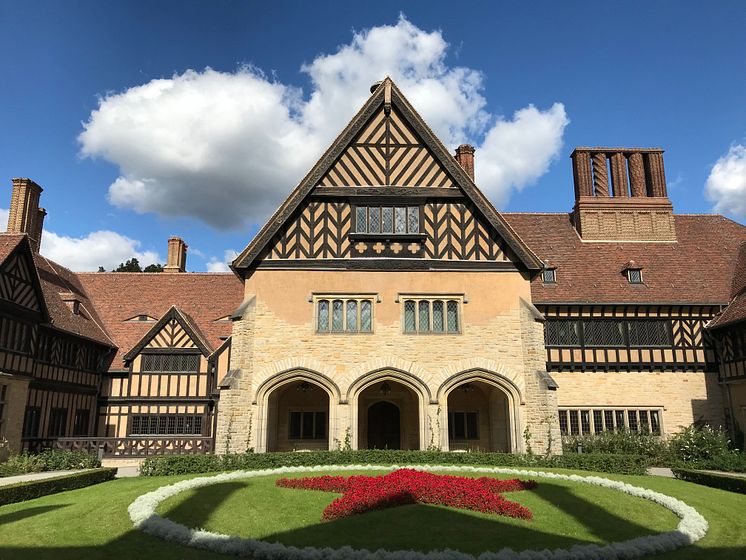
(691, 528)
(410, 486)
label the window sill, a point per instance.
(433, 333)
(387, 236)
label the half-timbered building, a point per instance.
(387, 303)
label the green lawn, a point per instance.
(93, 522)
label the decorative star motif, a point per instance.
(408, 486)
(361, 247)
(379, 247)
(396, 248)
(414, 247)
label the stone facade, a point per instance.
(275, 343)
(11, 423)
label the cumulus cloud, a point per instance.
(99, 248)
(4, 212)
(227, 147)
(216, 265)
(726, 184)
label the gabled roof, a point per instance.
(203, 297)
(736, 310)
(697, 268)
(186, 322)
(385, 92)
(54, 280)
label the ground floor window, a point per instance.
(3, 402)
(463, 425)
(584, 421)
(31, 422)
(166, 425)
(306, 424)
(80, 427)
(57, 422)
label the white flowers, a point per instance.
(691, 528)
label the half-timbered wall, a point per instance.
(731, 344)
(684, 346)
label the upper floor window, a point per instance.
(432, 315)
(634, 275)
(344, 315)
(179, 363)
(387, 219)
(608, 332)
(549, 276)
(166, 424)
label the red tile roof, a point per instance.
(203, 297)
(698, 268)
(736, 310)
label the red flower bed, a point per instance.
(408, 486)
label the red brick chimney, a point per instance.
(465, 157)
(177, 251)
(620, 195)
(25, 216)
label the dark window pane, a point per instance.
(366, 323)
(351, 319)
(387, 220)
(609, 419)
(323, 316)
(635, 276)
(320, 425)
(585, 421)
(409, 316)
(400, 225)
(471, 425)
(598, 421)
(295, 422)
(307, 428)
(603, 333)
(424, 319)
(413, 219)
(361, 219)
(561, 333)
(655, 422)
(632, 417)
(563, 422)
(337, 322)
(620, 424)
(549, 276)
(374, 220)
(649, 333)
(453, 317)
(438, 319)
(459, 428)
(574, 424)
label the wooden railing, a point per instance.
(125, 447)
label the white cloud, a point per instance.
(4, 212)
(99, 248)
(216, 265)
(228, 147)
(726, 185)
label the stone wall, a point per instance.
(13, 415)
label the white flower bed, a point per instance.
(691, 528)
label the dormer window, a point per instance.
(633, 272)
(549, 275)
(141, 319)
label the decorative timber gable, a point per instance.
(19, 280)
(175, 331)
(354, 208)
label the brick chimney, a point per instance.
(177, 251)
(620, 195)
(25, 216)
(465, 157)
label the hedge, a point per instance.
(49, 460)
(190, 464)
(724, 482)
(23, 491)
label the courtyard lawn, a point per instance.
(93, 522)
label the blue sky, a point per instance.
(669, 74)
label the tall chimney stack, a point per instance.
(25, 216)
(465, 157)
(177, 251)
(620, 195)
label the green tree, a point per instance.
(101, 269)
(153, 268)
(132, 265)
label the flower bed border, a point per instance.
(691, 528)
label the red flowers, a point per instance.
(408, 486)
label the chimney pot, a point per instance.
(176, 261)
(465, 157)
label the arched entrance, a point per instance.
(478, 417)
(388, 416)
(297, 417)
(384, 426)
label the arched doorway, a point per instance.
(478, 417)
(384, 426)
(388, 416)
(298, 417)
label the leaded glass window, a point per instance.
(453, 317)
(562, 333)
(365, 316)
(387, 221)
(649, 333)
(350, 315)
(424, 316)
(166, 424)
(323, 316)
(603, 333)
(438, 319)
(361, 219)
(337, 310)
(409, 316)
(590, 421)
(351, 319)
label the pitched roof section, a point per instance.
(19, 280)
(698, 268)
(53, 280)
(387, 92)
(202, 297)
(173, 315)
(736, 310)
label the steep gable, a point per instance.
(174, 331)
(19, 281)
(386, 157)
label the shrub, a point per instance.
(37, 488)
(50, 460)
(724, 482)
(189, 464)
(732, 461)
(619, 442)
(697, 443)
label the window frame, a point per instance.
(78, 423)
(345, 298)
(628, 274)
(165, 425)
(553, 276)
(314, 425)
(31, 419)
(57, 423)
(452, 425)
(630, 417)
(380, 206)
(4, 390)
(459, 299)
(626, 323)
